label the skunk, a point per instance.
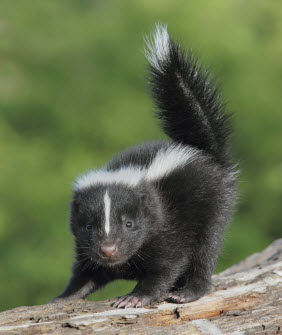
(156, 213)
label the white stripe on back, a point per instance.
(107, 202)
(166, 160)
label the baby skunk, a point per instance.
(156, 213)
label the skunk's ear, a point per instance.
(75, 206)
(144, 200)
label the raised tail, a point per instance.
(188, 103)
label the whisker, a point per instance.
(144, 254)
(128, 264)
(134, 264)
(87, 264)
(137, 254)
(85, 247)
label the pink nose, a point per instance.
(108, 250)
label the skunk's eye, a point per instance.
(129, 224)
(88, 227)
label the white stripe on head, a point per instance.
(107, 203)
(169, 159)
(129, 176)
(157, 44)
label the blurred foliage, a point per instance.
(73, 93)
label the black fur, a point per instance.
(177, 220)
(189, 105)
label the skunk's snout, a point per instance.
(108, 249)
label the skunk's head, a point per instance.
(111, 222)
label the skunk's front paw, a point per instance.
(132, 301)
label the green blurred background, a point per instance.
(73, 93)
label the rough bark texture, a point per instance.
(246, 299)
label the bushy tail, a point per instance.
(188, 103)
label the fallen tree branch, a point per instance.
(246, 299)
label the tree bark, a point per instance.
(246, 299)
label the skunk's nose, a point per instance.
(108, 250)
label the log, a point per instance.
(246, 299)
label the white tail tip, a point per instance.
(157, 46)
